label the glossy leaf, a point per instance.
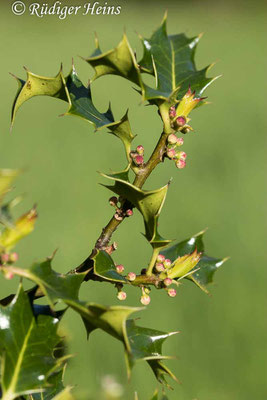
(70, 89)
(118, 61)
(139, 343)
(27, 347)
(104, 266)
(206, 266)
(171, 60)
(148, 202)
(146, 344)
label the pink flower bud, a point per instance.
(171, 153)
(160, 258)
(9, 275)
(118, 217)
(167, 281)
(180, 164)
(119, 268)
(181, 121)
(172, 139)
(139, 160)
(167, 263)
(129, 213)
(121, 295)
(13, 257)
(181, 155)
(145, 299)
(180, 141)
(159, 267)
(113, 201)
(172, 112)
(140, 150)
(172, 292)
(131, 276)
(4, 258)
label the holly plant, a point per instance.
(33, 356)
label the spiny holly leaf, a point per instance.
(146, 344)
(148, 202)
(206, 266)
(54, 285)
(119, 61)
(27, 347)
(171, 60)
(139, 343)
(70, 89)
(104, 266)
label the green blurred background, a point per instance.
(221, 349)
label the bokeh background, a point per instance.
(221, 349)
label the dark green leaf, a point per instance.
(70, 89)
(81, 105)
(139, 343)
(146, 344)
(205, 268)
(27, 348)
(171, 60)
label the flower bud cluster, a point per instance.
(138, 156)
(178, 156)
(162, 265)
(179, 122)
(120, 213)
(131, 276)
(8, 258)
